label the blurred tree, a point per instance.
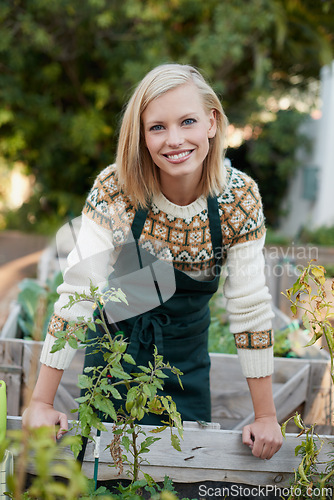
(269, 158)
(68, 66)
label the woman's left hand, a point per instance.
(263, 436)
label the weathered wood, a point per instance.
(11, 355)
(207, 455)
(9, 330)
(295, 381)
(320, 395)
(231, 401)
(17, 360)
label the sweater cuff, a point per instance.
(256, 363)
(60, 359)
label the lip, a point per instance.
(185, 154)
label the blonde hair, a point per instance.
(137, 173)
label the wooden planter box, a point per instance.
(208, 454)
(303, 384)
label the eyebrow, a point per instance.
(181, 118)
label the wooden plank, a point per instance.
(9, 329)
(231, 401)
(320, 397)
(207, 455)
(11, 356)
(230, 397)
(18, 357)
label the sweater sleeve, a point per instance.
(89, 261)
(248, 307)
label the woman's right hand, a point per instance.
(39, 414)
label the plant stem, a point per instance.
(135, 452)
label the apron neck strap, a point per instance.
(215, 227)
(138, 222)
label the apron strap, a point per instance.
(138, 222)
(215, 227)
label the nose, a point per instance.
(174, 137)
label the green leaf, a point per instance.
(159, 429)
(115, 392)
(297, 420)
(84, 382)
(105, 405)
(58, 345)
(129, 359)
(175, 442)
(76, 445)
(148, 441)
(126, 442)
(119, 373)
(82, 399)
(283, 428)
(72, 342)
(301, 472)
(144, 369)
(293, 308)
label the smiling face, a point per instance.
(177, 129)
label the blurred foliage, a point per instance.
(323, 236)
(220, 337)
(67, 67)
(36, 298)
(270, 158)
(276, 238)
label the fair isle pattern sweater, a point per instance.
(170, 233)
(181, 234)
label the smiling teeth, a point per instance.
(180, 155)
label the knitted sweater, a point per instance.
(180, 234)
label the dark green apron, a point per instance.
(178, 327)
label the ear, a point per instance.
(212, 124)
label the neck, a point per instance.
(181, 192)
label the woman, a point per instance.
(170, 194)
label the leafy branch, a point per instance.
(309, 295)
(136, 392)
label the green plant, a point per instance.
(38, 447)
(307, 477)
(310, 295)
(31, 294)
(129, 442)
(140, 388)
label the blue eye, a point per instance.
(189, 121)
(156, 127)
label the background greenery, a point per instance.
(68, 66)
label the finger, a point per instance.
(63, 423)
(247, 436)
